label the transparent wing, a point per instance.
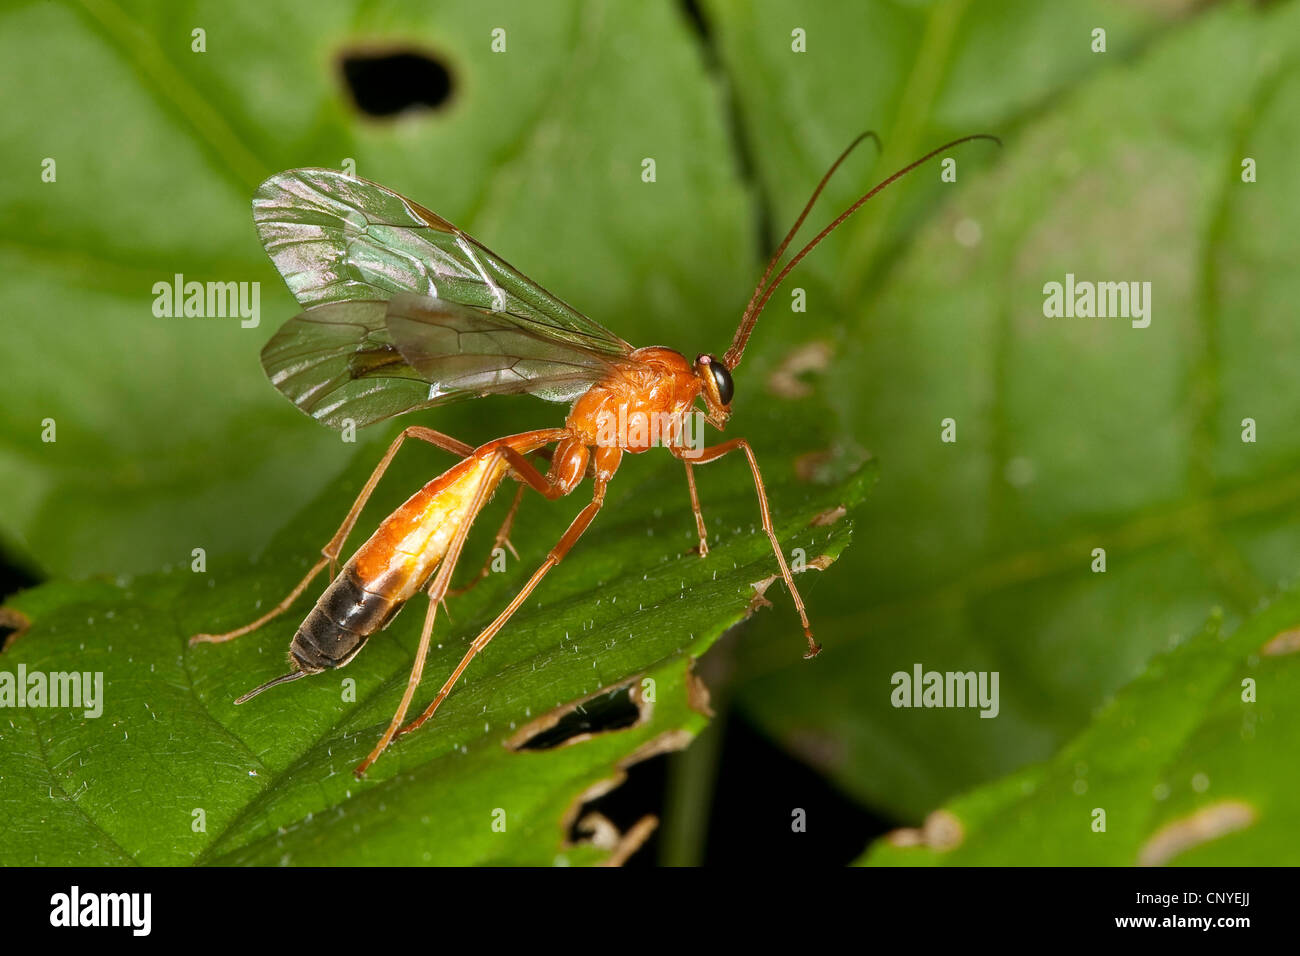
(368, 360)
(337, 363)
(460, 350)
(337, 239)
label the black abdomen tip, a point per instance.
(339, 625)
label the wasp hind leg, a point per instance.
(437, 592)
(441, 585)
(556, 555)
(330, 553)
(502, 539)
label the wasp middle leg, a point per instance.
(695, 506)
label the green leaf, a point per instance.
(273, 777)
(1073, 434)
(1182, 766)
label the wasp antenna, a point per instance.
(763, 293)
(750, 316)
(282, 679)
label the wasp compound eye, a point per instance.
(722, 379)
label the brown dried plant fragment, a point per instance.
(1206, 824)
(697, 692)
(941, 831)
(810, 465)
(828, 517)
(784, 381)
(1288, 642)
(16, 620)
(759, 600)
(628, 843)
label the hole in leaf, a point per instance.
(386, 83)
(612, 816)
(616, 709)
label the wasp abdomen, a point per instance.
(340, 623)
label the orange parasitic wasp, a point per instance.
(403, 311)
